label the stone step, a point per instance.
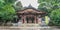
(29, 25)
(31, 28)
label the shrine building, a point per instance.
(30, 15)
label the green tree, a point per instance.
(2, 3)
(52, 7)
(10, 1)
(55, 17)
(18, 6)
(7, 12)
(48, 5)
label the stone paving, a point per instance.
(33, 28)
(28, 27)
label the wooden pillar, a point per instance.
(23, 20)
(39, 19)
(35, 20)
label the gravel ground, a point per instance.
(8, 28)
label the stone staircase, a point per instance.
(29, 26)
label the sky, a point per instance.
(26, 3)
